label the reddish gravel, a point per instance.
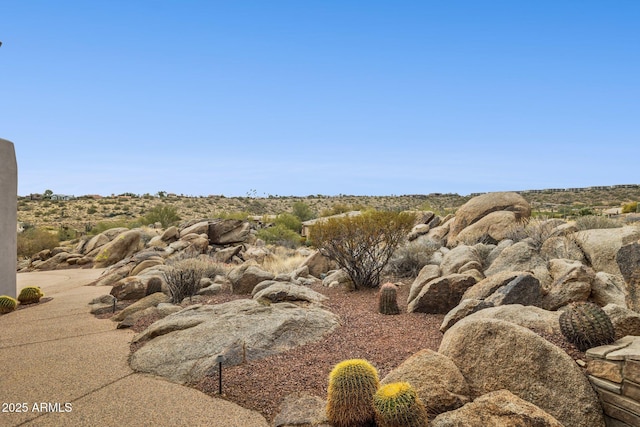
(385, 341)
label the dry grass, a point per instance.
(283, 260)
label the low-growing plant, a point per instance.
(398, 405)
(302, 211)
(30, 295)
(34, 240)
(352, 385)
(593, 222)
(165, 214)
(409, 258)
(7, 304)
(538, 230)
(183, 278)
(388, 299)
(630, 207)
(280, 235)
(363, 244)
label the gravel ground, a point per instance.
(385, 341)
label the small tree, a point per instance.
(362, 245)
(303, 211)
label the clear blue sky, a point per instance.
(304, 97)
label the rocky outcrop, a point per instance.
(302, 409)
(493, 228)
(493, 355)
(601, 246)
(123, 246)
(283, 291)
(528, 316)
(427, 274)
(459, 259)
(498, 408)
(435, 378)
(149, 301)
(129, 288)
(318, 264)
(183, 347)
(520, 256)
(608, 289)
(481, 206)
(625, 322)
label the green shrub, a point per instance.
(362, 245)
(630, 207)
(279, 235)
(34, 240)
(165, 214)
(303, 211)
(290, 221)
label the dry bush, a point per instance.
(362, 245)
(592, 222)
(408, 259)
(183, 277)
(538, 230)
(33, 240)
(283, 262)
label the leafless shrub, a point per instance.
(537, 230)
(184, 275)
(408, 259)
(592, 222)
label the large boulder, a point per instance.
(528, 316)
(246, 276)
(200, 227)
(149, 301)
(427, 274)
(442, 294)
(494, 227)
(484, 288)
(183, 347)
(493, 355)
(498, 408)
(459, 257)
(628, 260)
(480, 206)
(571, 282)
(318, 264)
(562, 247)
(228, 231)
(284, 291)
(524, 289)
(462, 310)
(302, 409)
(95, 242)
(625, 322)
(521, 256)
(608, 289)
(601, 246)
(123, 246)
(435, 378)
(129, 288)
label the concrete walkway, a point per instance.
(63, 367)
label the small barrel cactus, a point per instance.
(30, 295)
(154, 285)
(586, 325)
(398, 405)
(352, 384)
(7, 304)
(388, 300)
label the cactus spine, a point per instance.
(586, 325)
(7, 304)
(388, 300)
(398, 405)
(352, 384)
(30, 295)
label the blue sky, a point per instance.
(304, 97)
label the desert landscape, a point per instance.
(469, 308)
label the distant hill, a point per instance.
(84, 212)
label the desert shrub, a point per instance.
(538, 230)
(303, 211)
(165, 214)
(34, 240)
(290, 221)
(183, 278)
(362, 245)
(630, 207)
(408, 259)
(282, 260)
(592, 222)
(280, 235)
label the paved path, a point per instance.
(63, 367)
